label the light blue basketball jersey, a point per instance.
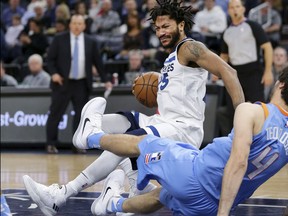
(191, 179)
(268, 154)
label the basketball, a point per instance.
(145, 89)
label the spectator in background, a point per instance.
(106, 21)
(210, 22)
(38, 77)
(12, 33)
(13, 9)
(280, 61)
(241, 45)
(271, 22)
(36, 11)
(70, 59)
(62, 12)
(6, 80)
(273, 30)
(33, 42)
(12, 38)
(80, 8)
(133, 38)
(94, 8)
(146, 11)
(249, 4)
(223, 4)
(127, 7)
(197, 5)
(135, 61)
(32, 3)
(4, 51)
(50, 13)
(61, 26)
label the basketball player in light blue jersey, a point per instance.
(180, 99)
(215, 179)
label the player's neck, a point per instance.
(279, 102)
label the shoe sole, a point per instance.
(80, 126)
(103, 193)
(31, 189)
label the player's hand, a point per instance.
(56, 78)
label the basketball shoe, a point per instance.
(132, 177)
(90, 122)
(113, 187)
(49, 199)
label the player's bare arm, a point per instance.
(248, 121)
(197, 52)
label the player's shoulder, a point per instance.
(248, 105)
(250, 109)
(192, 48)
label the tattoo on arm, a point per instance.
(196, 49)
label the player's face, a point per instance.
(167, 31)
(236, 10)
(77, 25)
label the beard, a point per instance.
(175, 38)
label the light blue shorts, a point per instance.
(171, 164)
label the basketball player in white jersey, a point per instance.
(180, 102)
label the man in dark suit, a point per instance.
(70, 60)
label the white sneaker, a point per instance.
(49, 199)
(90, 122)
(113, 187)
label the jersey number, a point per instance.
(164, 81)
(262, 166)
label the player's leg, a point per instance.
(100, 169)
(95, 172)
(110, 200)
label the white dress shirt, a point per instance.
(214, 19)
(81, 55)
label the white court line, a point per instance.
(270, 206)
(267, 197)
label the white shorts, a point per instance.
(161, 127)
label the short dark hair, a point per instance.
(283, 78)
(175, 11)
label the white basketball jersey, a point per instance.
(181, 91)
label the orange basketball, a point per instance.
(145, 89)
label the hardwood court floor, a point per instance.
(61, 168)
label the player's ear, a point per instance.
(181, 26)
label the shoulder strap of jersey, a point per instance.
(265, 108)
(183, 41)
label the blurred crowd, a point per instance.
(28, 28)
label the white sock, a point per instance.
(95, 172)
(126, 166)
(132, 176)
